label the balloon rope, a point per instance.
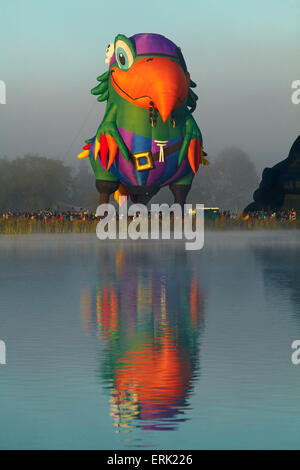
(80, 129)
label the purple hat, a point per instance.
(147, 43)
(150, 43)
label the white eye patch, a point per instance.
(109, 52)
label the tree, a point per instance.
(227, 183)
(34, 182)
(85, 193)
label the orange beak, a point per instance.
(159, 80)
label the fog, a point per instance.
(243, 58)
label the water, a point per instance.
(145, 345)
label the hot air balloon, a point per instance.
(148, 137)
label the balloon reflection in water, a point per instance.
(149, 315)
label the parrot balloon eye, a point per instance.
(124, 54)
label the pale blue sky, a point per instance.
(242, 54)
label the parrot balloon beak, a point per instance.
(153, 81)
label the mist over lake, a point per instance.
(126, 345)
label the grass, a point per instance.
(238, 223)
(20, 226)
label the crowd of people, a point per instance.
(86, 215)
(281, 215)
(48, 214)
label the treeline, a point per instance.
(34, 182)
(228, 182)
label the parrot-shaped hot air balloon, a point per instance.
(148, 137)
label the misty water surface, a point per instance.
(145, 345)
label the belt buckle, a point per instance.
(149, 163)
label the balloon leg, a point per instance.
(106, 188)
(180, 192)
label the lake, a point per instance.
(138, 345)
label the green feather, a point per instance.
(103, 97)
(99, 89)
(192, 100)
(193, 95)
(103, 77)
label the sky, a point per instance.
(243, 55)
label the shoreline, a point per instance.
(18, 226)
